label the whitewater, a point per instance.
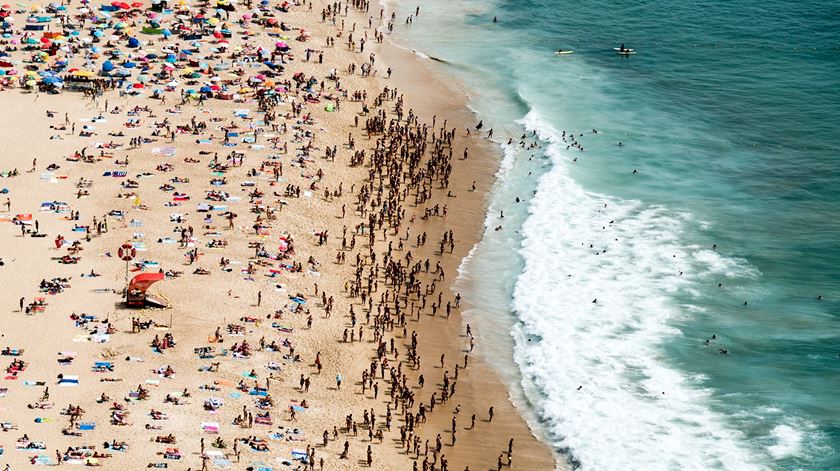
(593, 302)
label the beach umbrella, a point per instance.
(107, 66)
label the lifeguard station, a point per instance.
(137, 296)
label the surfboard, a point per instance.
(626, 53)
(563, 52)
(626, 49)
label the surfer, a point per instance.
(621, 48)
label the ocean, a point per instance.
(662, 290)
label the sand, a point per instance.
(201, 303)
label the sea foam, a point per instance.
(594, 301)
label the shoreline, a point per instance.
(201, 303)
(471, 217)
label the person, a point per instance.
(338, 381)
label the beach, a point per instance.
(301, 311)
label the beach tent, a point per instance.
(137, 290)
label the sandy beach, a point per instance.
(296, 334)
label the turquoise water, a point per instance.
(728, 113)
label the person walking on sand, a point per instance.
(490, 413)
(338, 381)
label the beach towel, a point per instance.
(68, 380)
(210, 427)
(43, 460)
(222, 463)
